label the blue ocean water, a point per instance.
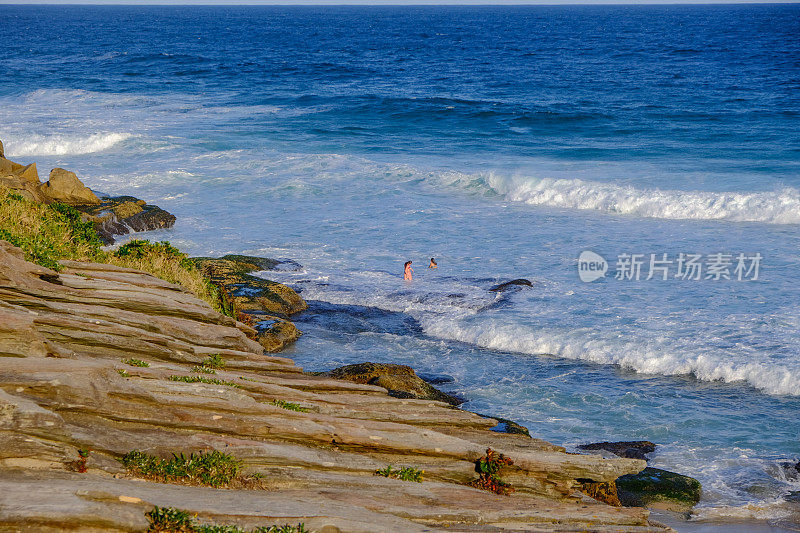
(503, 141)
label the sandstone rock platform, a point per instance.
(64, 387)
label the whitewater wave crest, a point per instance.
(66, 144)
(654, 356)
(772, 207)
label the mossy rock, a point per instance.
(400, 380)
(274, 333)
(127, 209)
(250, 293)
(653, 487)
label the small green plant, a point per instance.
(169, 519)
(405, 473)
(214, 468)
(136, 362)
(172, 520)
(214, 361)
(203, 370)
(201, 379)
(286, 528)
(124, 373)
(488, 468)
(80, 464)
(290, 406)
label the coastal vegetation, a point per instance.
(172, 520)
(49, 233)
(405, 473)
(201, 379)
(132, 361)
(488, 469)
(212, 469)
(290, 406)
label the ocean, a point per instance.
(504, 142)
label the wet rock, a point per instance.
(637, 449)
(505, 425)
(249, 263)
(513, 284)
(603, 492)
(663, 489)
(400, 380)
(121, 215)
(64, 186)
(250, 293)
(436, 379)
(275, 334)
(264, 304)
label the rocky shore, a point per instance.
(112, 378)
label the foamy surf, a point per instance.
(57, 145)
(655, 356)
(771, 207)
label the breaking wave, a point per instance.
(654, 356)
(66, 144)
(772, 207)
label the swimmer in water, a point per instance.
(407, 271)
(433, 263)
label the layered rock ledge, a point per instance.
(64, 387)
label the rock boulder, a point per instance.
(64, 186)
(400, 380)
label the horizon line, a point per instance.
(409, 3)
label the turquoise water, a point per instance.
(502, 141)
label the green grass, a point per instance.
(214, 468)
(210, 364)
(201, 379)
(124, 373)
(47, 233)
(169, 519)
(405, 473)
(136, 362)
(290, 406)
(172, 520)
(214, 361)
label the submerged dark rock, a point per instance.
(513, 284)
(636, 449)
(121, 215)
(661, 488)
(436, 379)
(504, 425)
(400, 380)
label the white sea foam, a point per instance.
(663, 356)
(773, 207)
(66, 144)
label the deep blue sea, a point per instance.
(504, 142)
